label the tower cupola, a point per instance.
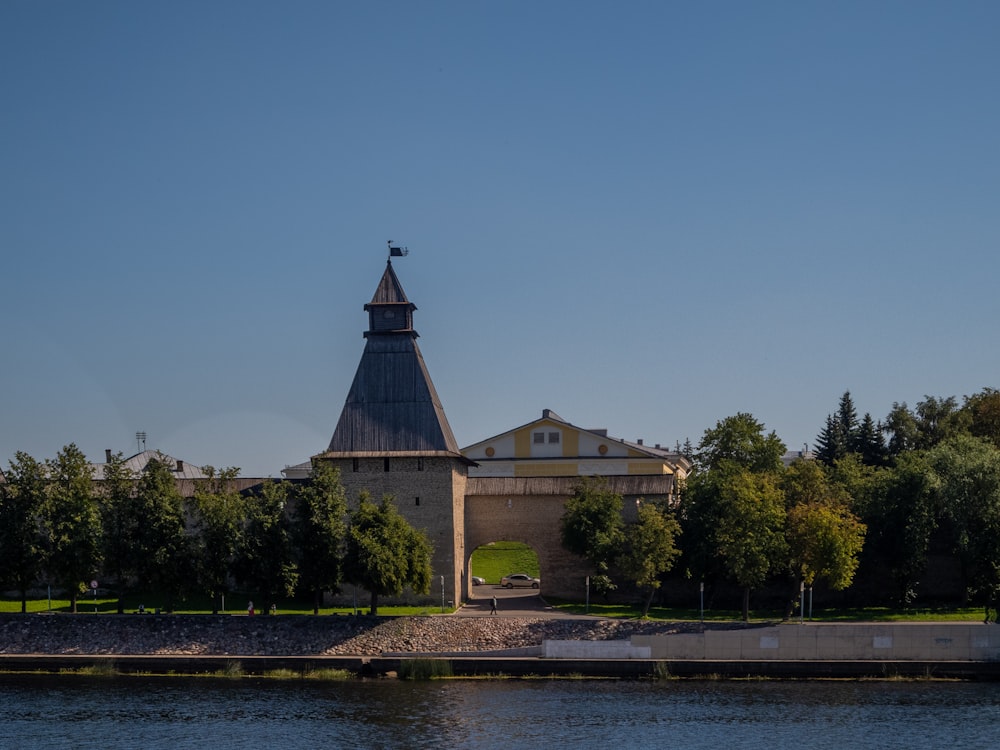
(390, 312)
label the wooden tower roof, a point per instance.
(392, 407)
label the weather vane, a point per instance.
(395, 251)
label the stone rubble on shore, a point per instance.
(300, 635)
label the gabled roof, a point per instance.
(553, 446)
(137, 465)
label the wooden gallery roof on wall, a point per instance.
(646, 485)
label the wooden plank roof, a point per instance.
(392, 406)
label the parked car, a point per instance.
(477, 581)
(520, 579)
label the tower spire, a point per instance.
(392, 406)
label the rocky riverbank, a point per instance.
(299, 635)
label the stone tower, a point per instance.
(393, 436)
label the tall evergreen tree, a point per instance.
(847, 415)
(839, 435)
(831, 443)
(869, 443)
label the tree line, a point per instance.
(57, 525)
(879, 499)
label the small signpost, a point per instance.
(93, 585)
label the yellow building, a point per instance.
(552, 447)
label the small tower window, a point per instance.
(420, 467)
(417, 499)
(354, 464)
(385, 464)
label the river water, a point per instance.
(55, 712)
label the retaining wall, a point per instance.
(801, 642)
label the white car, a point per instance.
(521, 580)
(477, 581)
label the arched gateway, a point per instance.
(393, 438)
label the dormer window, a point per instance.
(553, 437)
(538, 438)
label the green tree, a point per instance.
(933, 420)
(22, 499)
(117, 504)
(750, 534)
(741, 440)
(650, 549)
(219, 511)
(939, 419)
(900, 512)
(983, 414)
(831, 443)
(319, 531)
(162, 555)
(869, 442)
(843, 434)
(968, 491)
(265, 563)
(824, 537)
(384, 554)
(71, 523)
(901, 425)
(592, 527)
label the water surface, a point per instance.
(219, 714)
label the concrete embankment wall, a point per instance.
(931, 642)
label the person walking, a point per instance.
(493, 605)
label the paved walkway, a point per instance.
(511, 603)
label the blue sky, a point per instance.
(646, 216)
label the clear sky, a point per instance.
(645, 216)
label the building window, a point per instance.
(354, 464)
(553, 437)
(385, 464)
(418, 501)
(420, 467)
(538, 438)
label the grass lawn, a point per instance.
(861, 614)
(236, 604)
(494, 561)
